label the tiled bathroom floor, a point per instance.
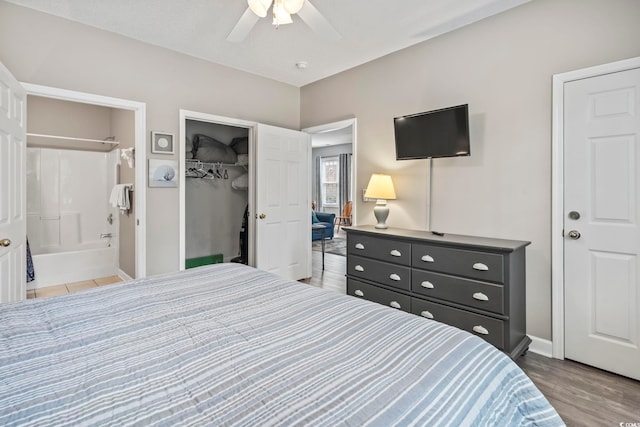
(68, 288)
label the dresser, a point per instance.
(474, 283)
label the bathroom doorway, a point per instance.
(79, 147)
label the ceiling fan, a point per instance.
(282, 11)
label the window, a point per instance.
(329, 181)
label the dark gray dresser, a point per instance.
(474, 283)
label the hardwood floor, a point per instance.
(332, 277)
(582, 395)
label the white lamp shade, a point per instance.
(292, 6)
(260, 7)
(280, 15)
(380, 187)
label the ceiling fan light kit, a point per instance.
(282, 9)
(259, 7)
(292, 6)
(280, 15)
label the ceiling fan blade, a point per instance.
(318, 23)
(245, 24)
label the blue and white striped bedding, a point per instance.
(231, 345)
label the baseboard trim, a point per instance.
(123, 275)
(541, 346)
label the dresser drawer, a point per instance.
(386, 273)
(379, 295)
(492, 330)
(379, 248)
(467, 263)
(472, 293)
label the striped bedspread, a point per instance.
(231, 345)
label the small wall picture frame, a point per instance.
(163, 173)
(162, 143)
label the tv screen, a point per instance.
(438, 133)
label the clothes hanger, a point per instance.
(199, 170)
(217, 173)
(209, 174)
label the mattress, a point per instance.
(232, 345)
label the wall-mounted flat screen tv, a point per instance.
(437, 133)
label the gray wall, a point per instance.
(47, 50)
(502, 67)
(65, 118)
(123, 127)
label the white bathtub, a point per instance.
(74, 266)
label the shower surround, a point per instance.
(68, 215)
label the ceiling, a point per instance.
(332, 137)
(369, 29)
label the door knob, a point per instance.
(5, 242)
(574, 234)
(262, 216)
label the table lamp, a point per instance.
(380, 187)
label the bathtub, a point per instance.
(92, 262)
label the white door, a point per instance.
(283, 210)
(13, 227)
(602, 212)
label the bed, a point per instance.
(232, 345)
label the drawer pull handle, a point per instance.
(394, 304)
(480, 266)
(427, 258)
(395, 277)
(481, 330)
(395, 252)
(480, 296)
(359, 246)
(358, 293)
(427, 314)
(358, 268)
(427, 284)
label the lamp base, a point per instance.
(381, 211)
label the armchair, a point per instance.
(325, 219)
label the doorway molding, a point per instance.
(557, 189)
(140, 112)
(221, 120)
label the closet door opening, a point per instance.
(216, 192)
(77, 232)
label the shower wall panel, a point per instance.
(67, 199)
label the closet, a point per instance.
(216, 193)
